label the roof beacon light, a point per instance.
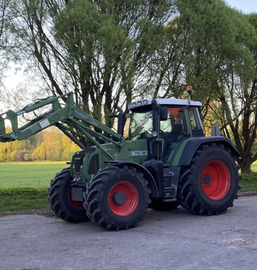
(189, 91)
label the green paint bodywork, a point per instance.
(131, 151)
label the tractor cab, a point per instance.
(165, 123)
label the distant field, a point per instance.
(29, 174)
(36, 174)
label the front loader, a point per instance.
(166, 161)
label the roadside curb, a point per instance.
(247, 193)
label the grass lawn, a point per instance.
(249, 180)
(23, 185)
(17, 199)
(29, 174)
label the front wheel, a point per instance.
(117, 197)
(59, 197)
(211, 183)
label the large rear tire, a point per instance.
(117, 198)
(59, 197)
(211, 183)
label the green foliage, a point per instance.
(218, 40)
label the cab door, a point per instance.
(173, 132)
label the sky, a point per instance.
(246, 6)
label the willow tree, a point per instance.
(220, 63)
(4, 19)
(98, 49)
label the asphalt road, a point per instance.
(164, 240)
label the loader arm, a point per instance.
(76, 124)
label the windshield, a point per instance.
(141, 125)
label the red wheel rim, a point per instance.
(215, 180)
(75, 204)
(123, 198)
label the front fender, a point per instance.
(148, 176)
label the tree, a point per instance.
(220, 63)
(166, 70)
(109, 52)
(69, 148)
(98, 49)
(50, 144)
(4, 34)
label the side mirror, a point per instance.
(215, 131)
(163, 113)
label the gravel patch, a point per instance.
(46, 212)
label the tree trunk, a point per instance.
(245, 165)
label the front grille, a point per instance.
(93, 165)
(79, 157)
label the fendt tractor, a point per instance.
(165, 161)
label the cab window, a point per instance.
(195, 122)
(175, 122)
(141, 125)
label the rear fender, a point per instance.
(193, 144)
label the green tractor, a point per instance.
(165, 161)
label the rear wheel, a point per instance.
(117, 198)
(59, 197)
(211, 183)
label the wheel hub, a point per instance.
(119, 198)
(123, 198)
(207, 180)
